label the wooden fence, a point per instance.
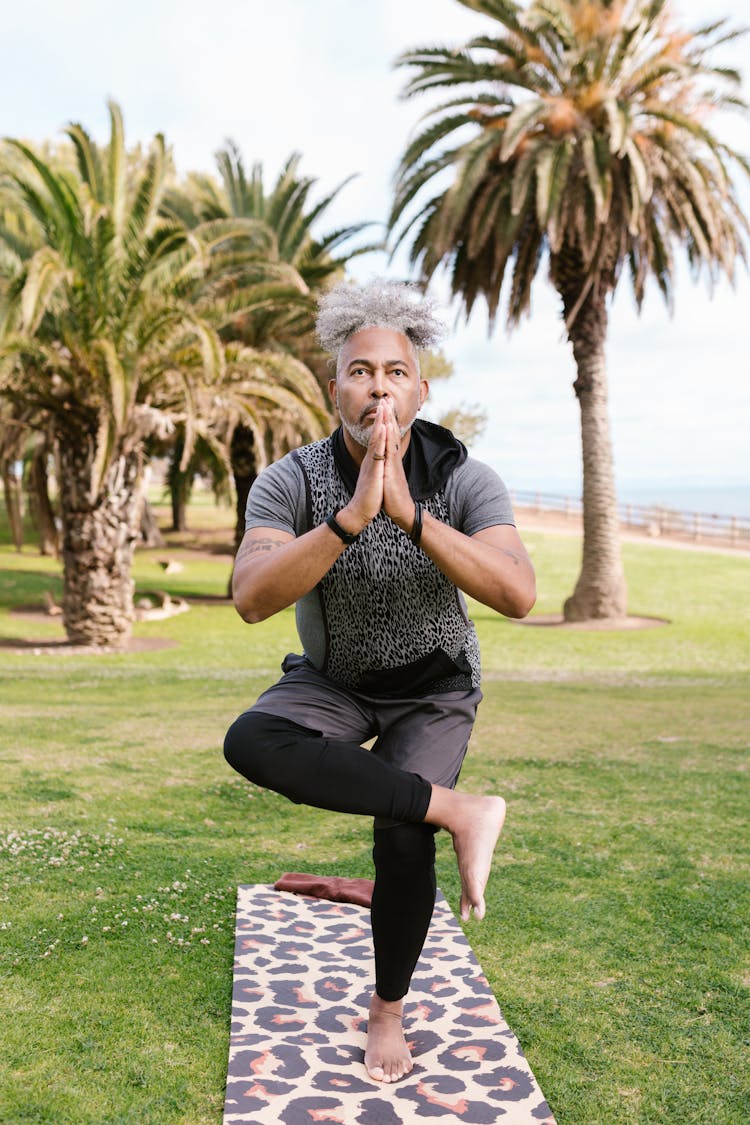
(649, 519)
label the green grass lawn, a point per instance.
(617, 935)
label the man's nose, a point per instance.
(378, 388)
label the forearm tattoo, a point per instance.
(255, 546)
(511, 554)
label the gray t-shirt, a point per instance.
(475, 495)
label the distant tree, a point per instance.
(467, 420)
(110, 319)
(576, 135)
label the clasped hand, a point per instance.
(382, 482)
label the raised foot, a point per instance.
(475, 834)
(387, 1057)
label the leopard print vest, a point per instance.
(395, 625)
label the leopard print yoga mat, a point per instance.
(302, 981)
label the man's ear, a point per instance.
(424, 390)
(332, 393)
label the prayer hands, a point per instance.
(382, 482)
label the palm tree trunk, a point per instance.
(180, 483)
(244, 472)
(180, 487)
(179, 508)
(13, 496)
(149, 532)
(99, 535)
(600, 591)
(41, 505)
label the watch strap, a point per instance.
(344, 536)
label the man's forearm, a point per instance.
(498, 574)
(273, 571)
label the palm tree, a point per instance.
(286, 209)
(110, 320)
(576, 135)
(265, 401)
(291, 218)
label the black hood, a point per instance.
(432, 456)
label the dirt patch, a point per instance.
(61, 647)
(208, 599)
(556, 620)
(34, 610)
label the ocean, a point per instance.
(707, 499)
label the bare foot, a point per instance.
(475, 824)
(387, 1057)
(474, 839)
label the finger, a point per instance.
(394, 434)
(376, 449)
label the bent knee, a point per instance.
(248, 732)
(255, 734)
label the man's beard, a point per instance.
(362, 434)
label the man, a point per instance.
(372, 533)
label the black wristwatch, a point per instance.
(344, 536)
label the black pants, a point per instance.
(308, 768)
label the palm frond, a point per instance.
(520, 122)
(117, 187)
(433, 135)
(604, 150)
(412, 181)
(88, 158)
(115, 384)
(507, 13)
(552, 191)
(46, 272)
(441, 68)
(149, 192)
(232, 173)
(470, 174)
(59, 214)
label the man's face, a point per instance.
(377, 364)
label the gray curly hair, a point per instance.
(381, 303)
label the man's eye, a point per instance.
(399, 371)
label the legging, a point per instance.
(343, 777)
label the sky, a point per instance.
(317, 77)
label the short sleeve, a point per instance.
(478, 498)
(276, 496)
